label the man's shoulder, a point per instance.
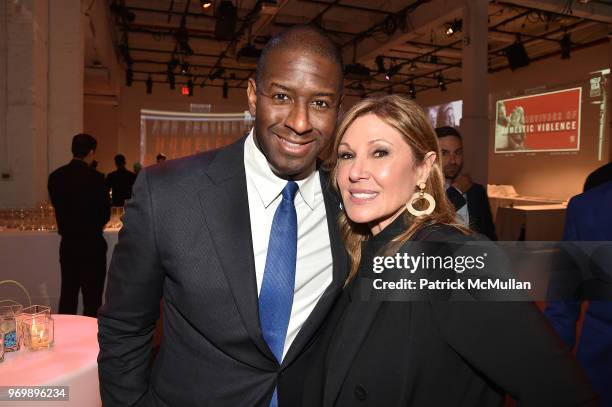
(477, 189)
(600, 196)
(189, 169)
(58, 172)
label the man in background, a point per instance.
(120, 182)
(82, 208)
(600, 176)
(160, 158)
(589, 218)
(470, 199)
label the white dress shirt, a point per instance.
(313, 272)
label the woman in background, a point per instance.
(424, 353)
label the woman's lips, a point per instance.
(362, 196)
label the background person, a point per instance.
(469, 198)
(82, 208)
(120, 182)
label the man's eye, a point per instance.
(380, 153)
(320, 104)
(280, 97)
(345, 156)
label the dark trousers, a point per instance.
(83, 263)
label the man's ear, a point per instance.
(252, 96)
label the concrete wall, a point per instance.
(23, 140)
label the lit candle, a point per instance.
(39, 336)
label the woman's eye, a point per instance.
(380, 153)
(345, 156)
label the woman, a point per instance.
(423, 353)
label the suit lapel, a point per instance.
(339, 258)
(226, 209)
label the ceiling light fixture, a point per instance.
(190, 87)
(129, 77)
(225, 90)
(392, 71)
(441, 82)
(566, 46)
(149, 85)
(380, 64)
(453, 27)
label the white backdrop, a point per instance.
(177, 134)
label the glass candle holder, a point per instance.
(38, 333)
(33, 311)
(8, 327)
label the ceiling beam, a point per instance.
(591, 11)
(425, 16)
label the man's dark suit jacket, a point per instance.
(79, 197)
(589, 218)
(434, 353)
(481, 220)
(121, 183)
(186, 236)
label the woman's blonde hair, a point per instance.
(410, 121)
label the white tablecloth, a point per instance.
(541, 222)
(32, 258)
(70, 362)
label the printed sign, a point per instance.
(543, 122)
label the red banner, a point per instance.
(544, 122)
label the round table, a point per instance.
(72, 361)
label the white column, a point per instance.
(66, 76)
(23, 94)
(475, 121)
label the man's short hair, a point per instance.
(120, 160)
(446, 131)
(308, 38)
(82, 144)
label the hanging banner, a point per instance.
(543, 122)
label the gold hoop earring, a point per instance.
(417, 196)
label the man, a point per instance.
(82, 208)
(120, 182)
(470, 199)
(160, 159)
(600, 176)
(239, 242)
(589, 218)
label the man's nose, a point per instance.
(298, 119)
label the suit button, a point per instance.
(360, 392)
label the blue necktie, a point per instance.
(276, 293)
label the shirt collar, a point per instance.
(268, 185)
